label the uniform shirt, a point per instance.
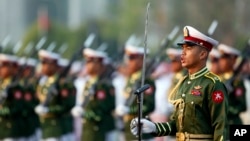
(237, 97)
(11, 108)
(53, 123)
(201, 103)
(148, 102)
(98, 116)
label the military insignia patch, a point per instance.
(218, 96)
(196, 91)
(238, 92)
(101, 95)
(64, 92)
(27, 96)
(18, 95)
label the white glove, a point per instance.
(146, 127)
(121, 110)
(41, 110)
(77, 111)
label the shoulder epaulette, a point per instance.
(213, 77)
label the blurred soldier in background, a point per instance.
(11, 102)
(56, 98)
(127, 109)
(236, 88)
(28, 82)
(164, 84)
(95, 100)
(246, 76)
(213, 61)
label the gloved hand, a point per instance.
(41, 110)
(121, 110)
(77, 111)
(146, 127)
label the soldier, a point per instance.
(11, 102)
(95, 99)
(56, 97)
(28, 82)
(236, 88)
(200, 98)
(164, 84)
(213, 61)
(125, 109)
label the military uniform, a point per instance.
(55, 101)
(200, 98)
(201, 105)
(148, 104)
(11, 105)
(95, 100)
(237, 91)
(53, 123)
(127, 109)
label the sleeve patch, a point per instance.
(218, 96)
(238, 92)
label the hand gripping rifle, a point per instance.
(52, 91)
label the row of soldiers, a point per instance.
(98, 105)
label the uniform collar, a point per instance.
(198, 74)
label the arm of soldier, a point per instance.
(218, 106)
(156, 129)
(239, 98)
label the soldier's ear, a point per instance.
(204, 54)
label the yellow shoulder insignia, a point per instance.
(212, 76)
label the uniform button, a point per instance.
(192, 102)
(189, 82)
(183, 95)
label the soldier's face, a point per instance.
(192, 56)
(5, 70)
(93, 65)
(226, 62)
(134, 62)
(49, 67)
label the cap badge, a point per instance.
(185, 32)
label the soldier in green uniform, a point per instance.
(237, 91)
(28, 82)
(55, 98)
(200, 98)
(127, 108)
(11, 102)
(95, 100)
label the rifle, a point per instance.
(52, 91)
(241, 60)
